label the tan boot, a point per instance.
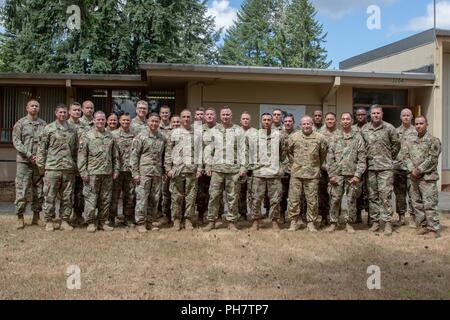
(65, 226)
(188, 224)
(232, 226)
(412, 222)
(91, 228)
(255, 225)
(210, 226)
(349, 228)
(36, 221)
(275, 225)
(20, 223)
(423, 231)
(294, 225)
(331, 228)
(375, 227)
(388, 229)
(106, 227)
(312, 227)
(49, 226)
(176, 225)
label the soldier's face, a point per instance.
(153, 123)
(421, 126)
(61, 114)
(100, 121)
(164, 113)
(210, 116)
(112, 122)
(199, 115)
(32, 108)
(225, 116)
(288, 123)
(330, 121)
(317, 117)
(141, 110)
(88, 109)
(185, 119)
(245, 120)
(175, 122)
(266, 122)
(276, 116)
(75, 112)
(125, 122)
(376, 115)
(306, 124)
(346, 121)
(361, 116)
(406, 117)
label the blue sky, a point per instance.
(346, 22)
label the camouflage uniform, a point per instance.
(98, 159)
(146, 162)
(401, 183)
(324, 197)
(57, 155)
(25, 138)
(85, 122)
(285, 183)
(306, 156)
(137, 126)
(268, 170)
(346, 158)
(225, 172)
(246, 194)
(124, 183)
(164, 203)
(363, 200)
(423, 155)
(383, 146)
(179, 157)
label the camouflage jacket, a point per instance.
(98, 154)
(268, 159)
(347, 155)
(58, 147)
(356, 127)
(147, 154)
(180, 152)
(25, 136)
(137, 126)
(382, 145)
(306, 154)
(165, 129)
(423, 154)
(124, 142)
(79, 126)
(289, 164)
(219, 140)
(329, 136)
(279, 128)
(406, 136)
(85, 122)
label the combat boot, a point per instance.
(91, 228)
(412, 222)
(20, 223)
(423, 231)
(294, 225)
(49, 226)
(255, 225)
(401, 220)
(349, 228)
(36, 221)
(176, 225)
(331, 228)
(375, 227)
(105, 227)
(388, 229)
(142, 228)
(188, 224)
(275, 225)
(312, 227)
(210, 226)
(65, 226)
(232, 226)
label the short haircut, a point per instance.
(277, 109)
(317, 110)
(61, 106)
(376, 106)
(74, 104)
(185, 110)
(225, 108)
(266, 114)
(289, 115)
(113, 114)
(143, 103)
(406, 109)
(164, 106)
(174, 116)
(331, 113)
(210, 109)
(99, 112)
(200, 109)
(361, 109)
(86, 102)
(306, 117)
(125, 114)
(154, 114)
(349, 113)
(245, 112)
(423, 117)
(32, 100)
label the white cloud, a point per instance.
(339, 9)
(427, 21)
(223, 13)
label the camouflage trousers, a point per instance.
(401, 190)
(124, 184)
(78, 202)
(245, 196)
(380, 188)
(274, 190)
(285, 193)
(148, 192)
(27, 176)
(97, 195)
(337, 191)
(309, 187)
(363, 200)
(58, 183)
(164, 202)
(220, 182)
(203, 197)
(183, 190)
(424, 195)
(324, 197)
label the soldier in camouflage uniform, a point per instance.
(199, 114)
(383, 146)
(87, 120)
(124, 184)
(307, 152)
(346, 163)
(422, 161)
(112, 123)
(318, 120)
(175, 121)
(146, 163)
(225, 163)
(139, 123)
(183, 172)
(78, 202)
(363, 199)
(57, 155)
(25, 136)
(165, 129)
(277, 119)
(406, 133)
(329, 130)
(269, 167)
(98, 164)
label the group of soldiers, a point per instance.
(186, 168)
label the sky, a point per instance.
(357, 26)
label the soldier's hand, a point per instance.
(85, 178)
(355, 180)
(170, 174)
(115, 176)
(199, 174)
(208, 173)
(33, 159)
(137, 179)
(333, 180)
(415, 174)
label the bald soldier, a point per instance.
(139, 123)
(307, 152)
(363, 202)
(87, 120)
(57, 158)
(406, 133)
(421, 162)
(98, 164)
(25, 136)
(383, 145)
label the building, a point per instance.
(253, 89)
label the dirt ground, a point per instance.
(222, 264)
